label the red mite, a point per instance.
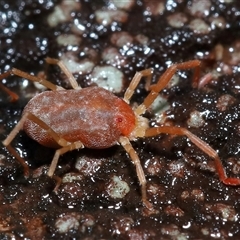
(95, 118)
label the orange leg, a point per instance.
(164, 80)
(199, 143)
(124, 141)
(135, 81)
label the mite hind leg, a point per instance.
(13, 96)
(58, 153)
(19, 73)
(65, 146)
(69, 75)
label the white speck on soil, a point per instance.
(117, 188)
(177, 20)
(62, 12)
(68, 39)
(67, 222)
(199, 26)
(195, 119)
(108, 77)
(107, 17)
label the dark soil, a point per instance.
(183, 184)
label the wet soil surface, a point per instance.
(104, 43)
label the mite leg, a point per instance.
(19, 159)
(66, 146)
(13, 96)
(165, 78)
(8, 141)
(135, 81)
(59, 152)
(124, 141)
(19, 73)
(71, 78)
(199, 143)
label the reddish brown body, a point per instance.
(95, 118)
(92, 115)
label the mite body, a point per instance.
(92, 115)
(95, 118)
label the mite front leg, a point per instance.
(200, 144)
(124, 141)
(164, 80)
(135, 81)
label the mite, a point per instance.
(97, 119)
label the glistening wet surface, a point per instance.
(104, 43)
